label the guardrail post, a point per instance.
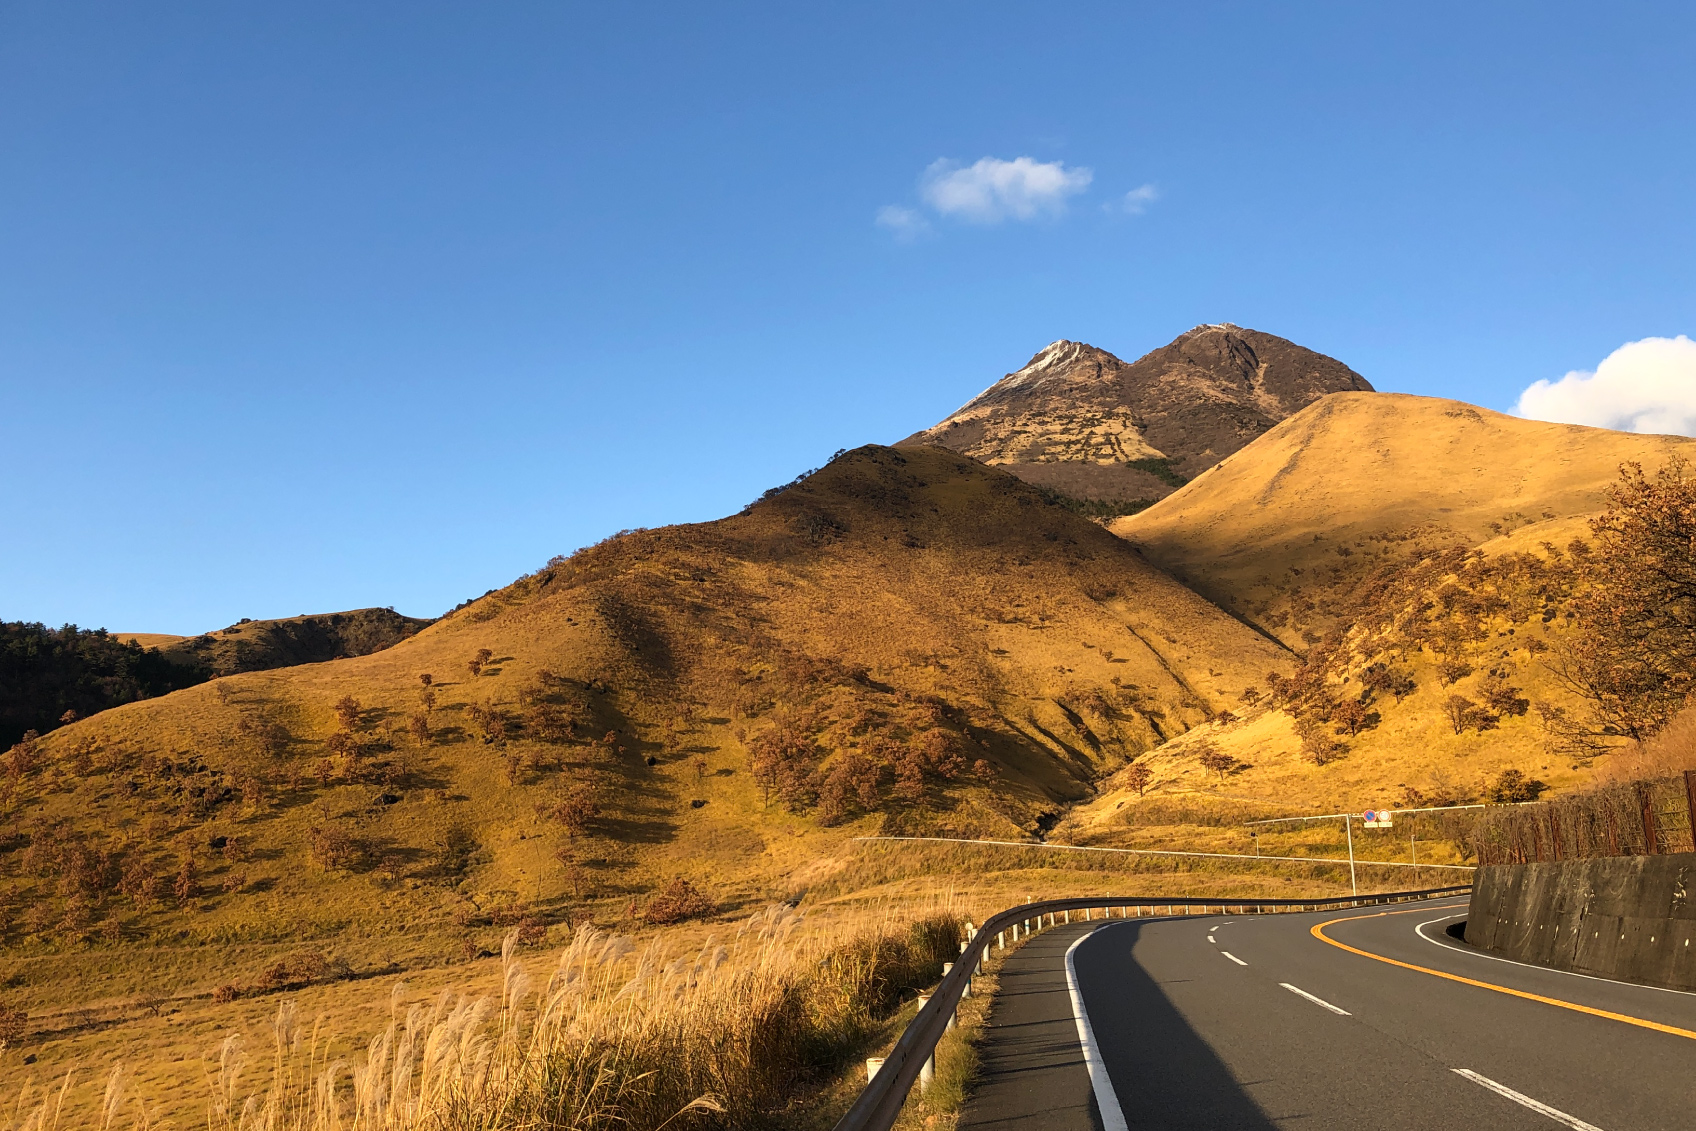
(1000, 940)
(928, 1072)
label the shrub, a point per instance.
(1463, 713)
(1217, 761)
(348, 712)
(574, 809)
(1502, 698)
(679, 901)
(1452, 670)
(301, 968)
(1318, 745)
(549, 722)
(490, 721)
(187, 885)
(331, 846)
(1513, 786)
(13, 1024)
(1352, 716)
(941, 752)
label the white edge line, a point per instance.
(1233, 958)
(1420, 931)
(1319, 1001)
(1553, 1113)
(1112, 1118)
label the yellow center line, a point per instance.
(1318, 932)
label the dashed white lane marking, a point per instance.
(1233, 958)
(1112, 1117)
(1523, 1100)
(1319, 1001)
(1212, 940)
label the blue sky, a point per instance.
(315, 306)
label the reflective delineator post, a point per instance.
(873, 1063)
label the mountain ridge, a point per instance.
(1081, 421)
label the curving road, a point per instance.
(1376, 1020)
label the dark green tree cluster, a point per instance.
(47, 672)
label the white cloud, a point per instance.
(993, 190)
(906, 223)
(1644, 386)
(1136, 202)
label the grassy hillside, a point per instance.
(1358, 479)
(903, 641)
(255, 645)
(1419, 554)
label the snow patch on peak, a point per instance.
(1050, 362)
(1055, 353)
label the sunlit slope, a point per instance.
(1419, 539)
(975, 655)
(1307, 505)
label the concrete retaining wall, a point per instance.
(1625, 917)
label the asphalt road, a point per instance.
(1253, 1022)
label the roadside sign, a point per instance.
(1377, 818)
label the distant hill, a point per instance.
(45, 672)
(1080, 421)
(905, 640)
(258, 645)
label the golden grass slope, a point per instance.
(1349, 530)
(892, 599)
(1308, 505)
(148, 639)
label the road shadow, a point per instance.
(1032, 1073)
(1164, 1074)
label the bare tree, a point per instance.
(1138, 777)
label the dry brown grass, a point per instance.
(731, 1032)
(1672, 751)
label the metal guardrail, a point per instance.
(880, 1103)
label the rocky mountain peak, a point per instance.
(1080, 420)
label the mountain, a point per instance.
(1308, 509)
(906, 640)
(1080, 421)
